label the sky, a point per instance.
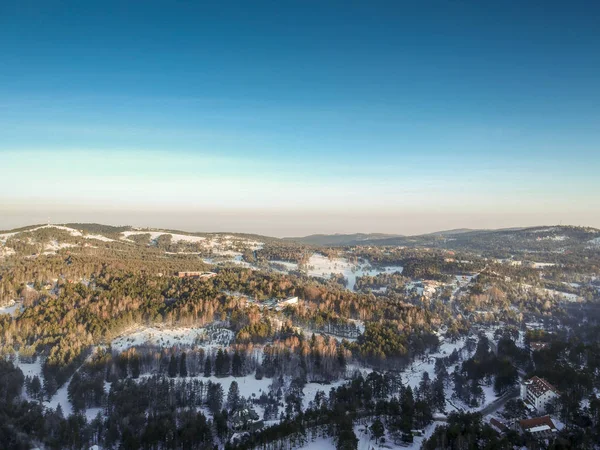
(299, 117)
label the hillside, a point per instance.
(501, 242)
(342, 239)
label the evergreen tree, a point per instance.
(35, 388)
(207, 367)
(135, 366)
(233, 396)
(377, 430)
(407, 406)
(438, 398)
(214, 397)
(237, 365)
(345, 437)
(173, 367)
(183, 366)
(222, 363)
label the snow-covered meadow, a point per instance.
(323, 267)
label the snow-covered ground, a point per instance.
(156, 234)
(552, 293)
(61, 397)
(322, 267)
(12, 308)
(594, 242)
(5, 236)
(247, 385)
(540, 265)
(289, 266)
(6, 251)
(552, 238)
(225, 246)
(311, 389)
(413, 285)
(98, 237)
(30, 369)
(366, 441)
(564, 295)
(169, 337)
(220, 244)
(54, 246)
(412, 375)
(320, 443)
(463, 280)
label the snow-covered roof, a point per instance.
(538, 386)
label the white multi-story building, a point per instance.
(537, 392)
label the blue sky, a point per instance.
(353, 116)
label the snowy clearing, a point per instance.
(12, 308)
(169, 337)
(412, 375)
(156, 234)
(323, 267)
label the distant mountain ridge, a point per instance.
(558, 238)
(500, 242)
(341, 239)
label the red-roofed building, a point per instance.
(497, 425)
(541, 427)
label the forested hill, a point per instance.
(495, 242)
(503, 243)
(343, 239)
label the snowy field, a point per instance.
(289, 266)
(552, 238)
(169, 337)
(54, 246)
(322, 267)
(225, 246)
(218, 242)
(156, 234)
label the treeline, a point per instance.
(283, 251)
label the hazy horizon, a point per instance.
(279, 223)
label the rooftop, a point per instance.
(538, 424)
(497, 424)
(538, 386)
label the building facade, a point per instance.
(537, 392)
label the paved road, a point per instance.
(499, 403)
